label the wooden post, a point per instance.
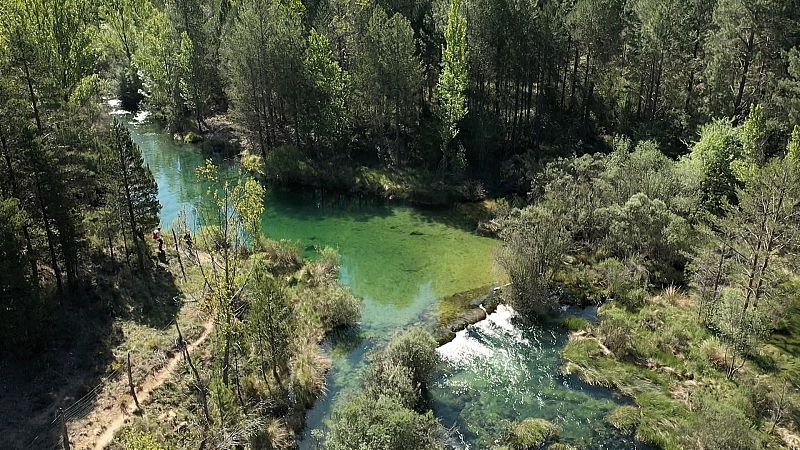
(64, 434)
(198, 383)
(130, 383)
(178, 252)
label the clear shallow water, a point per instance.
(507, 369)
(400, 260)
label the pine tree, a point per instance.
(135, 190)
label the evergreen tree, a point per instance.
(453, 82)
(135, 191)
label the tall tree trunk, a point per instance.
(748, 56)
(32, 94)
(51, 245)
(138, 239)
(657, 88)
(574, 80)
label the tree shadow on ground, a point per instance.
(79, 354)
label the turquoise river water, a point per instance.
(400, 260)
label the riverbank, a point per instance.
(674, 370)
(191, 404)
(126, 314)
(290, 167)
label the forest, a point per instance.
(639, 157)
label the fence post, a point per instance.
(178, 252)
(130, 382)
(64, 434)
(197, 381)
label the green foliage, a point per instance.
(132, 190)
(381, 424)
(646, 227)
(24, 314)
(158, 58)
(414, 348)
(722, 424)
(282, 257)
(389, 75)
(330, 93)
(287, 164)
(532, 434)
(337, 307)
(453, 83)
(574, 323)
(137, 440)
(385, 377)
(382, 415)
(265, 63)
(270, 323)
(534, 243)
(308, 369)
(713, 156)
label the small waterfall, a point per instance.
(470, 344)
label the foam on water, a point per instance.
(466, 346)
(141, 116)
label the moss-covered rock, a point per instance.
(533, 434)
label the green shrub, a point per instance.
(325, 269)
(336, 306)
(533, 434)
(534, 244)
(414, 348)
(129, 88)
(363, 422)
(282, 256)
(616, 334)
(133, 439)
(722, 424)
(308, 367)
(624, 282)
(384, 378)
(575, 323)
(624, 418)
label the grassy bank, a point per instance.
(674, 369)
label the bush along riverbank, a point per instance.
(389, 411)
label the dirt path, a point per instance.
(105, 423)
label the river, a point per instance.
(400, 260)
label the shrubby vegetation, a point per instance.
(386, 414)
